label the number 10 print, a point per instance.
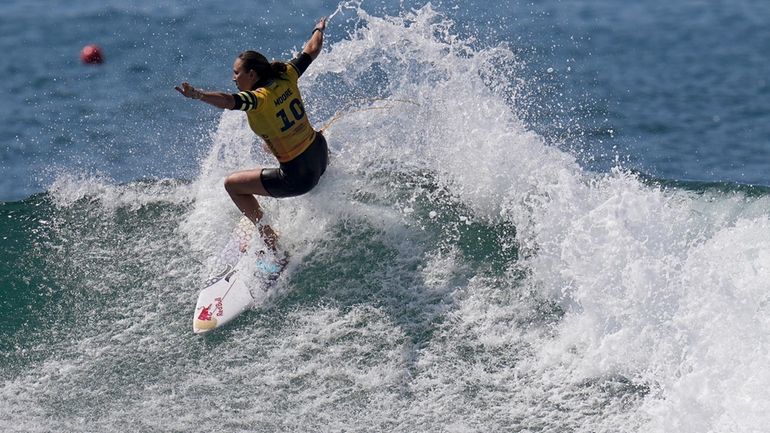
(296, 108)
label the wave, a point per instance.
(452, 271)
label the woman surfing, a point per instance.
(269, 95)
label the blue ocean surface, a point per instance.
(538, 216)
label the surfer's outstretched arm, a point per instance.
(217, 99)
(315, 43)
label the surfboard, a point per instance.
(228, 293)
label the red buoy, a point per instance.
(91, 54)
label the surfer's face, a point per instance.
(244, 80)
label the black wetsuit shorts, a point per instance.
(299, 175)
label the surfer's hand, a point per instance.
(189, 91)
(321, 24)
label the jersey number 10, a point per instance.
(296, 108)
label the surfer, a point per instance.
(269, 95)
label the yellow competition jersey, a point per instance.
(276, 114)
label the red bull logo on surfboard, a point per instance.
(220, 307)
(206, 313)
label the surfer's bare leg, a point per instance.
(242, 186)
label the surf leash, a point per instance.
(343, 112)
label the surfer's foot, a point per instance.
(269, 236)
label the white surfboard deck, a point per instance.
(228, 294)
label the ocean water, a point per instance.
(539, 216)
